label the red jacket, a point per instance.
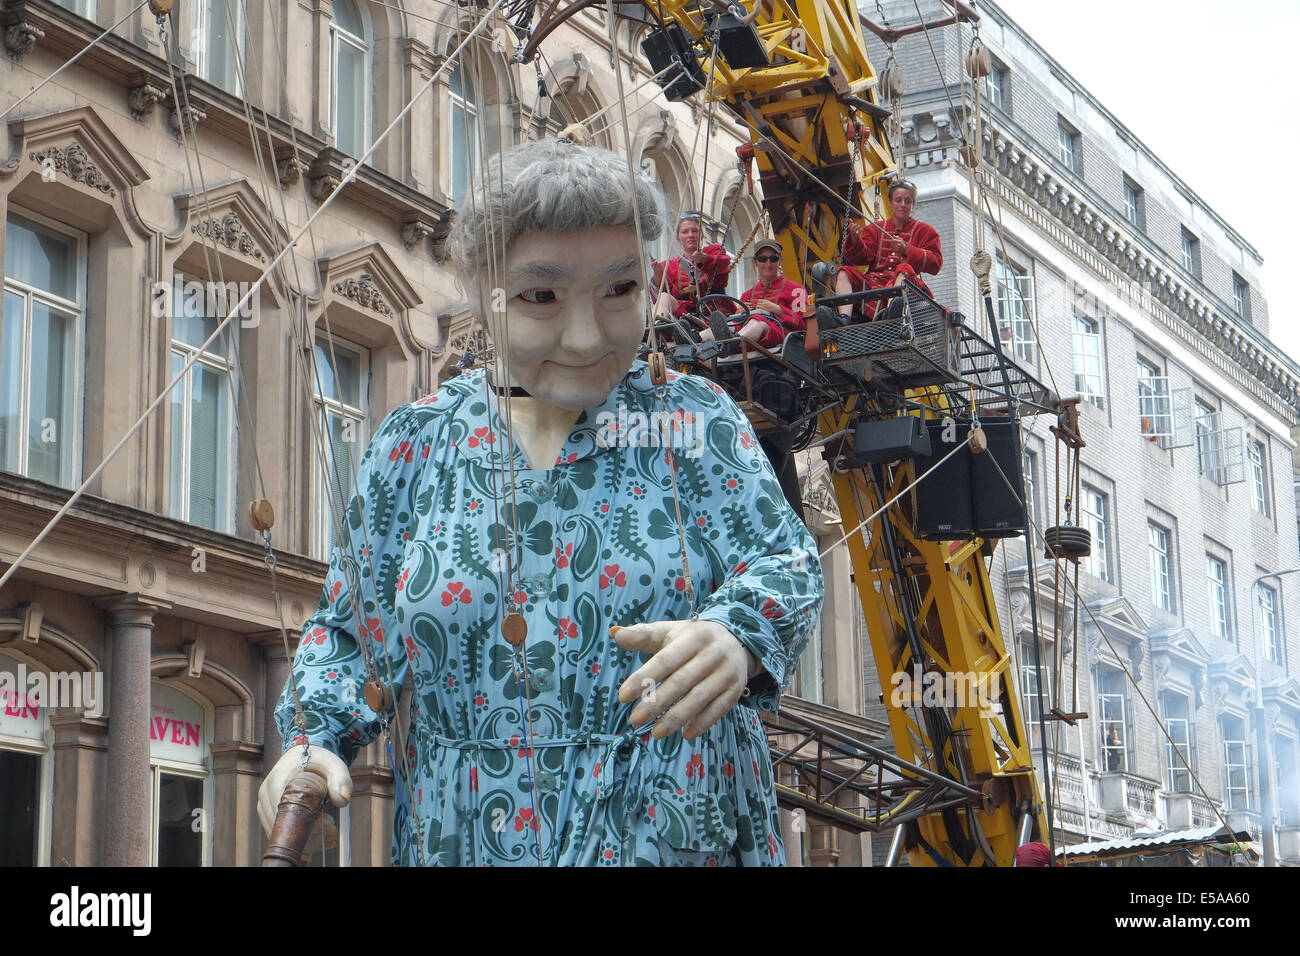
(793, 300)
(712, 275)
(924, 250)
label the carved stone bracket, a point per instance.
(230, 232)
(323, 185)
(363, 291)
(74, 162)
(289, 169)
(416, 231)
(20, 38)
(185, 120)
(143, 96)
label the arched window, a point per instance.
(666, 244)
(218, 35)
(463, 114)
(349, 79)
(180, 735)
(26, 768)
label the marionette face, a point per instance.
(575, 313)
(688, 235)
(901, 202)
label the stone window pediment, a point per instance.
(231, 219)
(367, 291)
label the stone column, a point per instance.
(277, 676)
(127, 811)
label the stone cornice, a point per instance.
(1174, 297)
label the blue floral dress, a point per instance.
(567, 779)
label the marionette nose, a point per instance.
(582, 336)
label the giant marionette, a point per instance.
(590, 580)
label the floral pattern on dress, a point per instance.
(503, 770)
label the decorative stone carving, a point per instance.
(142, 98)
(363, 291)
(289, 169)
(1160, 664)
(1219, 697)
(474, 348)
(415, 232)
(322, 186)
(20, 38)
(230, 232)
(183, 121)
(75, 163)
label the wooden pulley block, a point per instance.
(979, 62)
(377, 696)
(160, 8)
(514, 628)
(658, 368)
(970, 155)
(978, 440)
(261, 514)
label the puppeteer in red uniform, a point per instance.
(885, 253)
(776, 304)
(696, 272)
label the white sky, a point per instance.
(1209, 87)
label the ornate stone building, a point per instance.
(144, 191)
(1116, 282)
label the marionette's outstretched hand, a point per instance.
(697, 673)
(321, 762)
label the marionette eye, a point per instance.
(626, 287)
(537, 296)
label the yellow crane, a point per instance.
(797, 75)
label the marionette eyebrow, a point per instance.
(551, 272)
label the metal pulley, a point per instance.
(1067, 541)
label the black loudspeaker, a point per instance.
(944, 511)
(966, 497)
(889, 439)
(661, 47)
(998, 512)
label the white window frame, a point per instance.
(70, 470)
(83, 8)
(1154, 405)
(1241, 296)
(997, 87)
(1236, 757)
(1089, 361)
(1269, 622)
(1067, 145)
(1029, 467)
(1190, 250)
(1029, 675)
(1093, 504)
(322, 525)
(1208, 453)
(180, 510)
(1160, 553)
(46, 797)
(233, 13)
(1132, 202)
(1118, 703)
(339, 35)
(468, 109)
(200, 771)
(1261, 497)
(1219, 590)
(1182, 730)
(1014, 287)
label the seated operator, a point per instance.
(889, 251)
(776, 304)
(680, 282)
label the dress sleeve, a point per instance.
(771, 594)
(357, 602)
(925, 253)
(718, 266)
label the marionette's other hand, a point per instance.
(324, 764)
(700, 669)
